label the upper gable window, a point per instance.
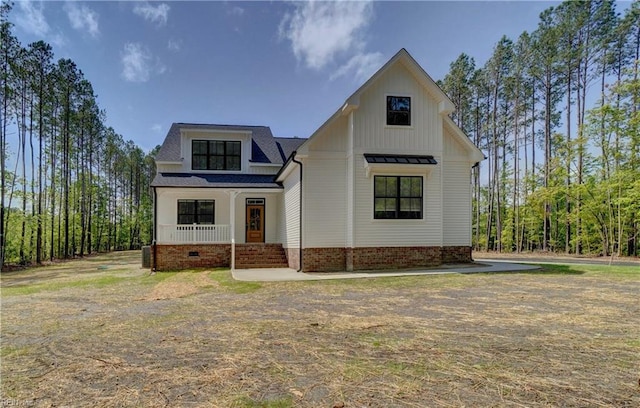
(215, 155)
(399, 110)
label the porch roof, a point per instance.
(215, 180)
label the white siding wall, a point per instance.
(271, 210)
(189, 136)
(264, 169)
(457, 194)
(371, 133)
(169, 168)
(290, 211)
(325, 203)
(167, 205)
(167, 208)
(457, 203)
(371, 232)
(333, 138)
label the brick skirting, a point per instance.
(171, 257)
(176, 257)
(372, 258)
(456, 254)
(323, 259)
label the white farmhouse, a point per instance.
(384, 183)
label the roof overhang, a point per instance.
(475, 154)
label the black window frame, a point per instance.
(196, 212)
(212, 156)
(398, 117)
(388, 196)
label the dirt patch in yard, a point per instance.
(180, 285)
(121, 337)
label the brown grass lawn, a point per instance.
(102, 332)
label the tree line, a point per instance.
(70, 185)
(556, 112)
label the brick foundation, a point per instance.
(395, 257)
(293, 257)
(374, 258)
(172, 257)
(456, 254)
(323, 259)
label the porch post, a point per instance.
(232, 209)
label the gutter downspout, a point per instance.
(155, 229)
(293, 159)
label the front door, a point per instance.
(255, 222)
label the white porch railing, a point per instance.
(194, 234)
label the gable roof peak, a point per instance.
(445, 106)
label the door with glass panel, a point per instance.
(255, 220)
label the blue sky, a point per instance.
(287, 65)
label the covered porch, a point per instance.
(197, 227)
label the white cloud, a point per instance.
(138, 64)
(31, 18)
(320, 32)
(156, 14)
(362, 65)
(174, 45)
(136, 61)
(82, 18)
(235, 11)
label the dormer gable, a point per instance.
(210, 148)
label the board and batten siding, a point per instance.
(424, 136)
(325, 203)
(333, 138)
(290, 211)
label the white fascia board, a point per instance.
(216, 131)
(265, 164)
(475, 154)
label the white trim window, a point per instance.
(196, 212)
(216, 155)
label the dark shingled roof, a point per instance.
(399, 159)
(264, 148)
(214, 180)
(287, 145)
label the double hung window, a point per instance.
(399, 110)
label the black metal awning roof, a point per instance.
(399, 159)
